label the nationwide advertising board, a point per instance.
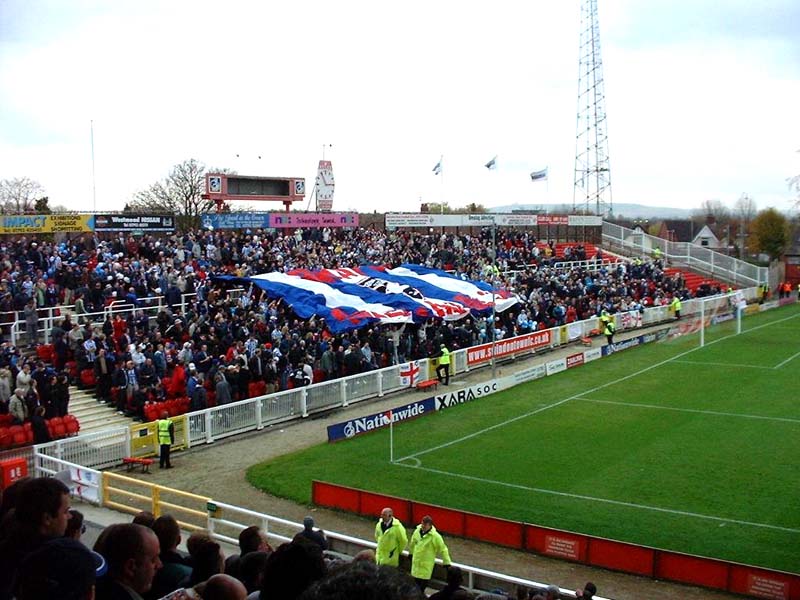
(67, 223)
(357, 426)
(134, 223)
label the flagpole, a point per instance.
(391, 438)
(441, 192)
(94, 185)
(494, 264)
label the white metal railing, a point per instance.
(96, 450)
(85, 454)
(208, 425)
(713, 263)
(234, 519)
(107, 448)
(85, 483)
(148, 304)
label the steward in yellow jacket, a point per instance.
(426, 543)
(391, 537)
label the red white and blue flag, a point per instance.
(362, 296)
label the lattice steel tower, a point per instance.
(592, 191)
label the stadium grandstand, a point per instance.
(102, 334)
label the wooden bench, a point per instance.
(132, 461)
(429, 383)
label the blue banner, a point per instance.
(647, 338)
(354, 427)
(235, 220)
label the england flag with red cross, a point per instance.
(409, 373)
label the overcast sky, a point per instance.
(702, 97)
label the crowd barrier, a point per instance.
(703, 259)
(576, 547)
(50, 315)
(225, 521)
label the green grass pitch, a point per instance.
(668, 445)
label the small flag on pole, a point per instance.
(388, 416)
(492, 164)
(437, 170)
(539, 175)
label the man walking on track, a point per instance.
(391, 537)
(608, 331)
(444, 365)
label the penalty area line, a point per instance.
(723, 364)
(788, 360)
(691, 410)
(589, 391)
(646, 507)
(559, 403)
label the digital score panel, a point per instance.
(221, 188)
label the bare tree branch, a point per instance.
(19, 195)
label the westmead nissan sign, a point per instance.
(523, 343)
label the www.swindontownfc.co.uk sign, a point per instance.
(523, 343)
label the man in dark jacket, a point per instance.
(42, 513)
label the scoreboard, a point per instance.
(221, 187)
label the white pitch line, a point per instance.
(594, 389)
(691, 410)
(791, 358)
(723, 364)
(671, 511)
(553, 405)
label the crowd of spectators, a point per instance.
(203, 342)
(43, 558)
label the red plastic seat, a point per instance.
(45, 352)
(88, 378)
(18, 437)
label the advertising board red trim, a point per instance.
(692, 569)
(372, 505)
(335, 496)
(494, 530)
(763, 583)
(610, 554)
(620, 556)
(445, 520)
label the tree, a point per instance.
(715, 209)
(42, 206)
(19, 195)
(745, 209)
(179, 193)
(471, 208)
(769, 233)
